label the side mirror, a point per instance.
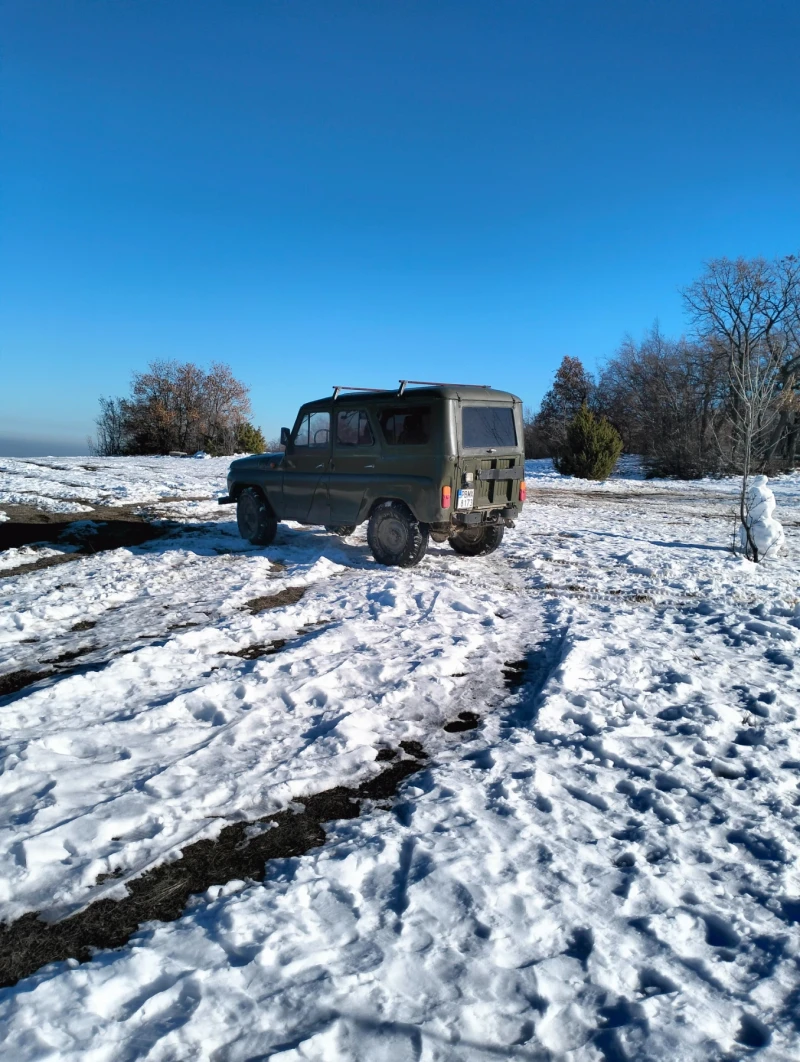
(285, 434)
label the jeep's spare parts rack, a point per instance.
(339, 388)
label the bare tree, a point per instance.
(110, 426)
(664, 396)
(748, 309)
(227, 408)
(175, 406)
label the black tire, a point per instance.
(395, 536)
(477, 541)
(254, 517)
(340, 529)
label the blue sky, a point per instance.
(353, 192)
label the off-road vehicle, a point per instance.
(440, 461)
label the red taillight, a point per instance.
(445, 497)
(523, 490)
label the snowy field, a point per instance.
(606, 868)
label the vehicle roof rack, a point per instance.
(433, 383)
(403, 385)
(374, 390)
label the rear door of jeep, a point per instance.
(491, 459)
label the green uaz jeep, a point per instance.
(440, 461)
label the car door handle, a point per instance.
(320, 466)
(369, 466)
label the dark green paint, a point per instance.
(335, 484)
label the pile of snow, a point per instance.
(765, 531)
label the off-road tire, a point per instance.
(395, 536)
(254, 517)
(343, 530)
(477, 541)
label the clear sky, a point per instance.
(332, 191)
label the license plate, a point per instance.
(466, 499)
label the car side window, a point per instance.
(314, 431)
(352, 428)
(406, 427)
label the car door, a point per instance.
(352, 465)
(306, 468)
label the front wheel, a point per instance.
(255, 518)
(396, 537)
(476, 541)
(343, 530)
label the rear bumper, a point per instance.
(486, 516)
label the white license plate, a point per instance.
(466, 499)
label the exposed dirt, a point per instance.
(290, 596)
(65, 658)
(515, 673)
(14, 681)
(84, 625)
(36, 566)
(465, 721)
(255, 652)
(239, 852)
(108, 528)
(415, 749)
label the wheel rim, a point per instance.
(472, 535)
(249, 517)
(392, 535)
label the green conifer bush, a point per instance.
(591, 448)
(250, 440)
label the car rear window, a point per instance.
(486, 426)
(408, 426)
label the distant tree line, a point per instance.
(725, 399)
(177, 406)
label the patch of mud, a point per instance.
(255, 652)
(415, 749)
(84, 536)
(14, 681)
(238, 853)
(515, 673)
(73, 654)
(465, 721)
(37, 566)
(84, 625)
(290, 596)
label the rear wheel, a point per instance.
(395, 536)
(475, 541)
(254, 517)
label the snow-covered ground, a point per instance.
(76, 484)
(605, 869)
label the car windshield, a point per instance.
(488, 426)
